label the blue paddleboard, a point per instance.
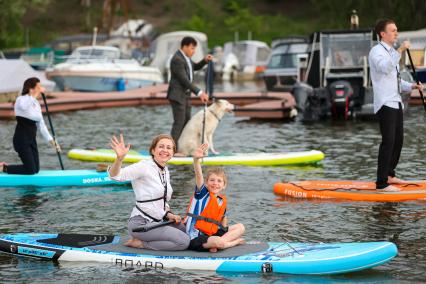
(291, 258)
(58, 178)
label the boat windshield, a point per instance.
(286, 55)
(282, 60)
(96, 53)
(345, 50)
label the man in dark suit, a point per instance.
(180, 86)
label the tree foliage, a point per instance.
(12, 13)
(408, 15)
(219, 19)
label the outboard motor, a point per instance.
(341, 98)
(301, 92)
(312, 103)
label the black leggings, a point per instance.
(30, 161)
(392, 130)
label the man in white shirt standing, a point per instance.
(387, 88)
(181, 84)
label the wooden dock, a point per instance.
(152, 96)
(271, 109)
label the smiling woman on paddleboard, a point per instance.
(151, 184)
(29, 118)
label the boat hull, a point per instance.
(99, 84)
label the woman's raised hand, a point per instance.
(119, 147)
(200, 151)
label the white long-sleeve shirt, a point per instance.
(28, 107)
(147, 182)
(188, 62)
(384, 68)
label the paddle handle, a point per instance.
(52, 129)
(210, 79)
(204, 124)
(416, 77)
(149, 227)
(209, 92)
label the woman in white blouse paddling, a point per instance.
(151, 184)
(29, 118)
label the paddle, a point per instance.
(210, 79)
(416, 78)
(52, 129)
(149, 227)
(209, 91)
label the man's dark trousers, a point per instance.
(181, 115)
(392, 130)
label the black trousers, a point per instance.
(181, 115)
(392, 130)
(30, 161)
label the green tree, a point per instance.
(12, 13)
(242, 20)
(408, 15)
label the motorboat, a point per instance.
(337, 81)
(100, 69)
(40, 58)
(417, 50)
(244, 60)
(281, 72)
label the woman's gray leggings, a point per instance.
(170, 237)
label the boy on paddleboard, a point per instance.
(206, 221)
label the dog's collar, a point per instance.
(215, 115)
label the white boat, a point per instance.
(417, 51)
(100, 69)
(40, 58)
(165, 46)
(281, 73)
(133, 39)
(244, 60)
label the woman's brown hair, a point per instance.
(157, 139)
(30, 83)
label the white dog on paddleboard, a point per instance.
(190, 139)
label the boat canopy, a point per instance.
(167, 44)
(345, 50)
(96, 52)
(248, 52)
(13, 73)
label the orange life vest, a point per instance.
(212, 211)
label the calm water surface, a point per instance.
(351, 151)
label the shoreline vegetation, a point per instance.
(34, 23)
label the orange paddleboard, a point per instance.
(351, 190)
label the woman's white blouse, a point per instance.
(28, 107)
(147, 184)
